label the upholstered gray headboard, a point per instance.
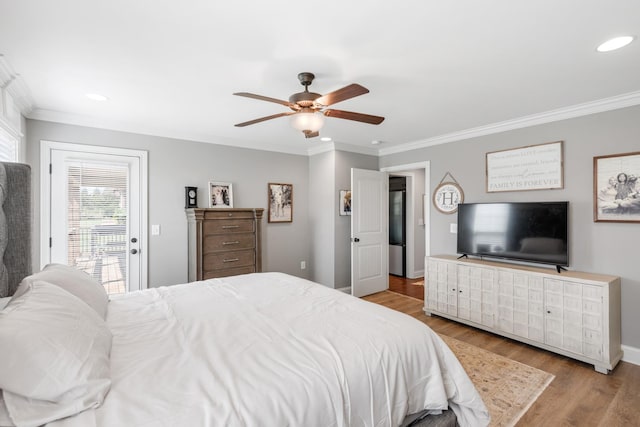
(15, 225)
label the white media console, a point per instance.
(572, 313)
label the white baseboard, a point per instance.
(631, 354)
(417, 274)
(346, 289)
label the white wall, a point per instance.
(321, 218)
(608, 248)
(174, 164)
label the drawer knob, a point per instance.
(230, 243)
(231, 260)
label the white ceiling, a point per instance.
(436, 70)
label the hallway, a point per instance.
(409, 287)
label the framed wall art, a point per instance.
(344, 202)
(616, 191)
(220, 194)
(535, 167)
(280, 202)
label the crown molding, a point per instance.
(602, 105)
(15, 86)
(113, 125)
(606, 104)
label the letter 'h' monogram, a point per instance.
(447, 198)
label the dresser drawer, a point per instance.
(228, 242)
(231, 259)
(228, 226)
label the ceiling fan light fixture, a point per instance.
(307, 121)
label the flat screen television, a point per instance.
(527, 231)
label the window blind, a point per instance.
(8, 147)
(97, 219)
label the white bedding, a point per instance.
(269, 349)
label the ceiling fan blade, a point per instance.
(339, 95)
(358, 117)
(262, 119)
(266, 98)
(309, 134)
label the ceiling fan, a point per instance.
(308, 109)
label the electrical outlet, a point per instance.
(155, 230)
(453, 228)
(303, 265)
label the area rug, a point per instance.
(507, 387)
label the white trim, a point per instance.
(346, 290)
(599, 106)
(14, 85)
(161, 132)
(45, 202)
(631, 354)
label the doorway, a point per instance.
(94, 212)
(417, 219)
(397, 226)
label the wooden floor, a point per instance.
(410, 287)
(578, 396)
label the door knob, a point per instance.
(355, 239)
(134, 240)
(134, 251)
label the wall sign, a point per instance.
(535, 167)
(448, 195)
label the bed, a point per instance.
(263, 349)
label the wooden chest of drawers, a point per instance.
(224, 242)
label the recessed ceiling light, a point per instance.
(325, 139)
(615, 43)
(96, 96)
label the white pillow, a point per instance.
(74, 281)
(4, 301)
(55, 357)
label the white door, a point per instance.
(95, 216)
(369, 232)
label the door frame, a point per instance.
(45, 196)
(426, 165)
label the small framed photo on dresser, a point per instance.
(220, 194)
